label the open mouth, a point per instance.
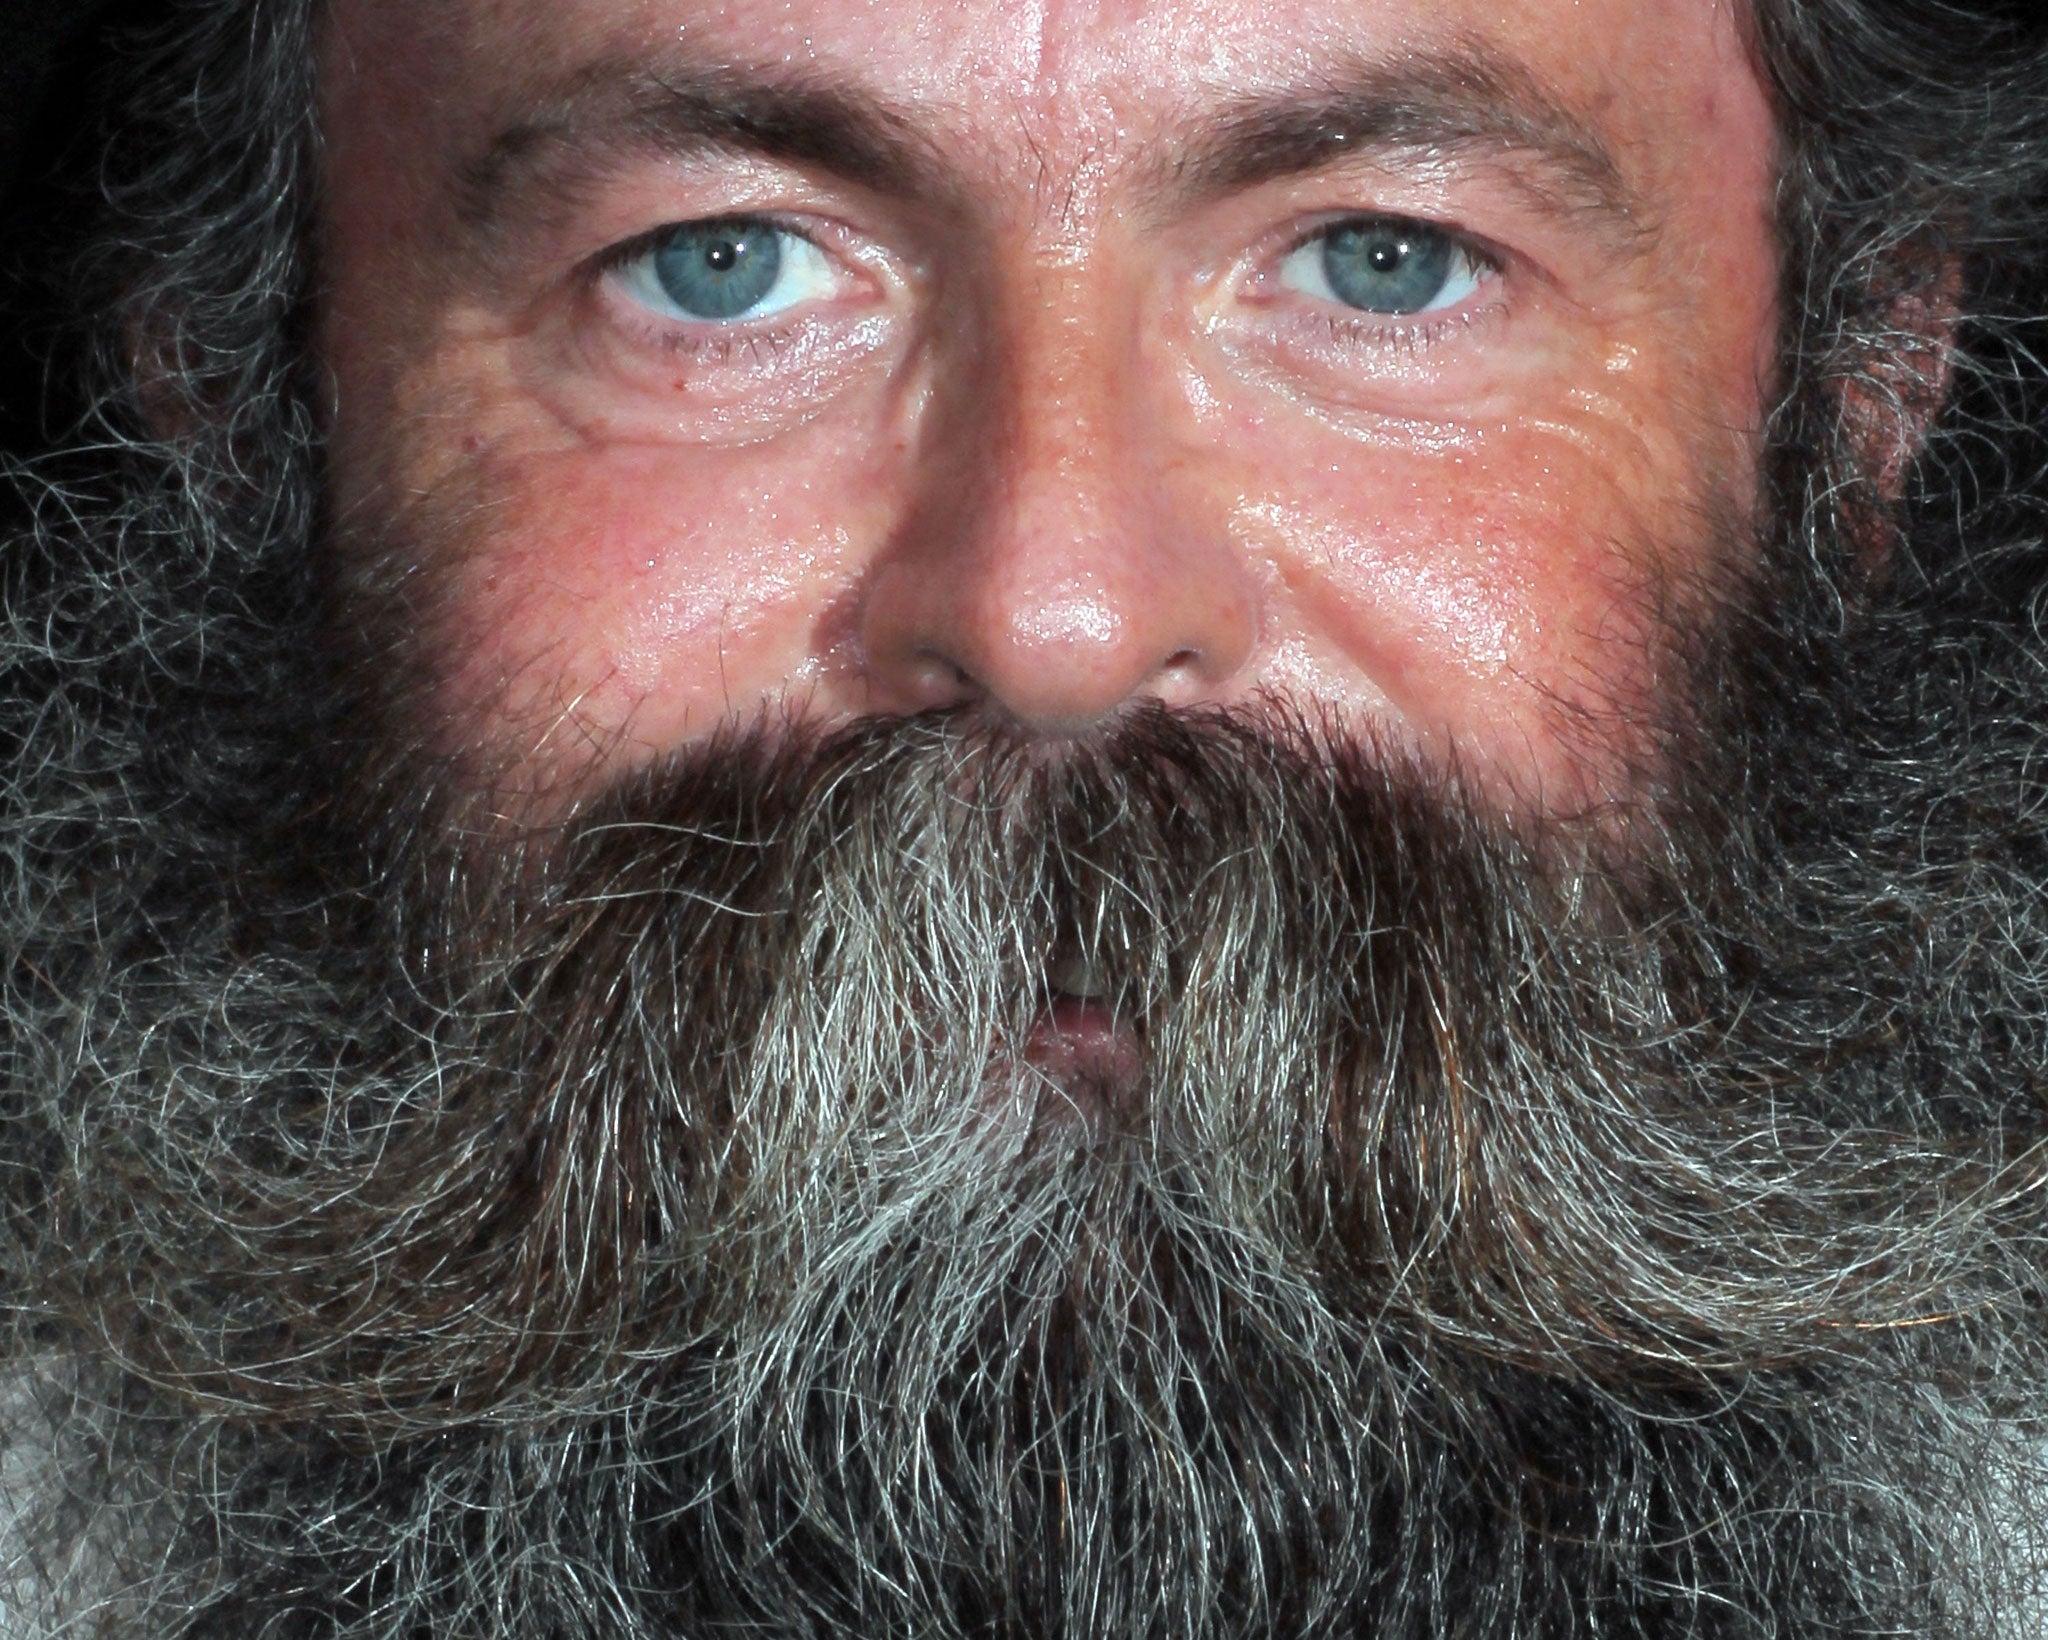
(1086, 1045)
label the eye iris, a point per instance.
(718, 270)
(1387, 267)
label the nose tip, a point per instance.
(1058, 639)
(1058, 625)
(1060, 564)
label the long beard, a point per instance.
(672, 1222)
(678, 1222)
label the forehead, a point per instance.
(1071, 89)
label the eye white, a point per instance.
(775, 269)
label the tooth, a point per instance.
(1079, 978)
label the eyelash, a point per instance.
(1406, 341)
(724, 346)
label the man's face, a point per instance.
(924, 1126)
(727, 363)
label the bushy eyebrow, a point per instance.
(1434, 102)
(613, 111)
(1431, 103)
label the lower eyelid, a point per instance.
(643, 353)
(1408, 336)
(1330, 352)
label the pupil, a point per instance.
(722, 256)
(1386, 256)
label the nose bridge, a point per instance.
(1066, 452)
(1054, 575)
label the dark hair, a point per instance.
(1913, 209)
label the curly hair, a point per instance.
(372, 1271)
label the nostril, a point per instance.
(950, 680)
(1185, 674)
(936, 664)
(926, 678)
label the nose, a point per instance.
(1058, 564)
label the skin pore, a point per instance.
(1055, 402)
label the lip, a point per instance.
(1088, 1054)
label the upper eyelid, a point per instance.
(1480, 249)
(640, 244)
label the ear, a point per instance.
(1889, 409)
(160, 383)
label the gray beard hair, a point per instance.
(656, 1225)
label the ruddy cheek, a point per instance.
(1411, 601)
(655, 594)
(1467, 592)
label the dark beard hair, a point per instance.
(1628, 1230)
(651, 1225)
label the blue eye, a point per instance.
(1381, 264)
(726, 269)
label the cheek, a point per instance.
(639, 597)
(1490, 594)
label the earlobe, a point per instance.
(1890, 407)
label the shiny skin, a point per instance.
(1057, 435)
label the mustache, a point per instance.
(619, 1082)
